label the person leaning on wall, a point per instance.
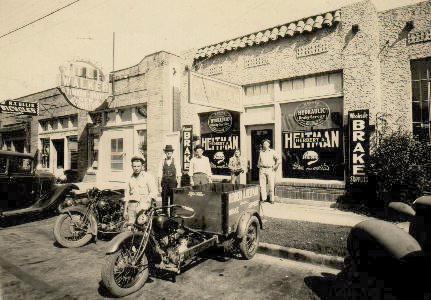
(200, 168)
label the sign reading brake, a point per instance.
(242, 194)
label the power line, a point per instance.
(41, 18)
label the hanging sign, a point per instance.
(359, 146)
(220, 136)
(20, 107)
(187, 149)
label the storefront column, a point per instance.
(277, 138)
(243, 145)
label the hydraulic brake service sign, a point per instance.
(19, 107)
(359, 146)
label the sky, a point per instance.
(30, 57)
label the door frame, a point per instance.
(249, 146)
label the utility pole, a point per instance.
(113, 64)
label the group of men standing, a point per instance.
(142, 191)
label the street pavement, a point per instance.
(33, 267)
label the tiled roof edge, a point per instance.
(308, 24)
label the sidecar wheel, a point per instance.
(66, 235)
(115, 274)
(250, 241)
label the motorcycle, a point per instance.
(157, 241)
(82, 219)
(387, 252)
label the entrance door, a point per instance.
(116, 150)
(257, 136)
(59, 153)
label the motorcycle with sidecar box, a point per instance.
(166, 238)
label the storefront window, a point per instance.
(94, 151)
(20, 165)
(260, 89)
(117, 154)
(45, 153)
(142, 143)
(312, 139)
(3, 165)
(64, 122)
(73, 151)
(421, 79)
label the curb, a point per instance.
(336, 262)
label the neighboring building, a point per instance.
(59, 132)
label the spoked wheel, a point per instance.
(72, 230)
(123, 272)
(250, 241)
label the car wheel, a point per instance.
(250, 241)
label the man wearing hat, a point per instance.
(200, 168)
(268, 164)
(140, 192)
(169, 175)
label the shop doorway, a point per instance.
(257, 137)
(59, 153)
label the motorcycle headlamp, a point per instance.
(141, 219)
(69, 202)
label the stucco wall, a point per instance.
(395, 55)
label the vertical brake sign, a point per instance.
(359, 149)
(187, 134)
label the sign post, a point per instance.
(359, 146)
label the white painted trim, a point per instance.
(285, 100)
(310, 181)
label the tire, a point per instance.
(71, 242)
(111, 283)
(250, 241)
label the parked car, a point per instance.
(25, 190)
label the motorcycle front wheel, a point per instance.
(72, 230)
(121, 275)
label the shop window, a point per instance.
(142, 143)
(45, 153)
(117, 154)
(94, 151)
(3, 165)
(421, 80)
(73, 151)
(20, 165)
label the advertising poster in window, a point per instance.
(359, 146)
(312, 139)
(220, 131)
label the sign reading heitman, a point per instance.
(19, 107)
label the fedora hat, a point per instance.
(168, 148)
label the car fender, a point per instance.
(243, 221)
(83, 210)
(389, 237)
(116, 242)
(59, 191)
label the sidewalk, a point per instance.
(311, 211)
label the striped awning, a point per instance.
(283, 31)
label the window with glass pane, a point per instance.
(20, 165)
(45, 153)
(3, 165)
(117, 154)
(420, 70)
(73, 151)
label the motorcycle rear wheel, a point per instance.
(78, 236)
(119, 277)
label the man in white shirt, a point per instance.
(268, 164)
(200, 168)
(169, 175)
(141, 190)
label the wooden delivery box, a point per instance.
(218, 206)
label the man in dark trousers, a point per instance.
(169, 175)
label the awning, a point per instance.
(11, 128)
